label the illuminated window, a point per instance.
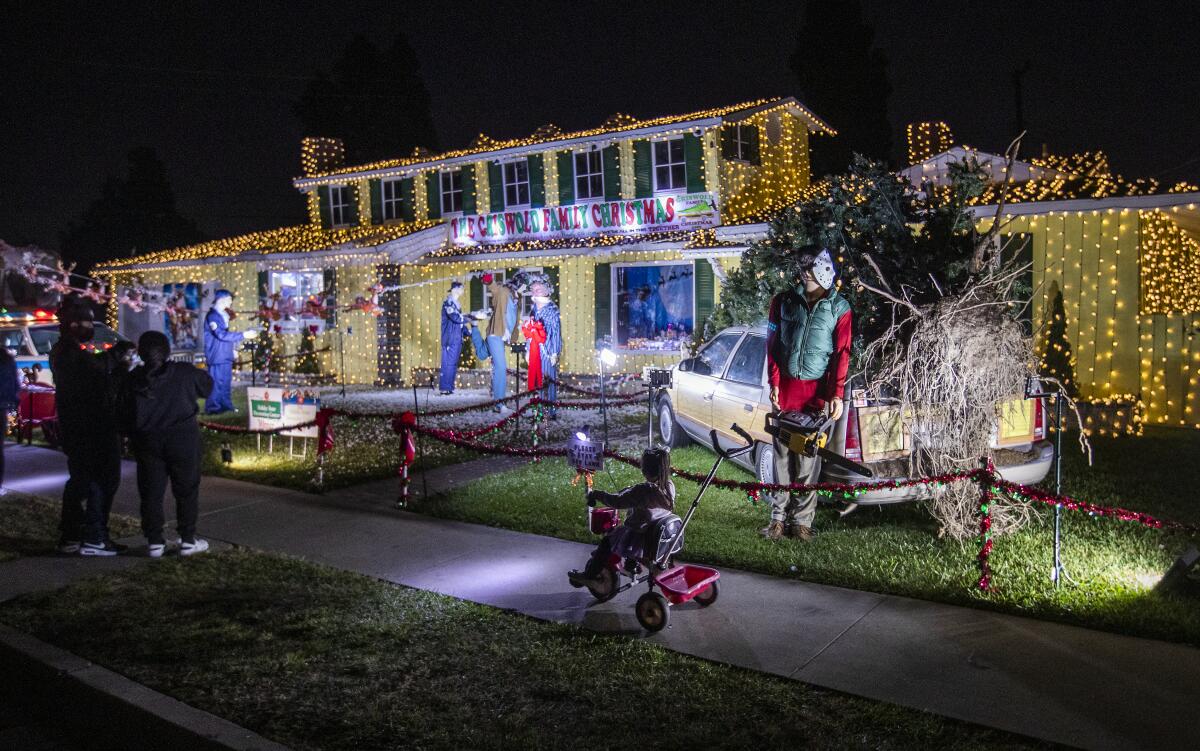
(392, 200)
(452, 192)
(669, 170)
(516, 183)
(294, 297)
(589, 175)
(653, 305)
(339, 205)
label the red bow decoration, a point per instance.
(535, 334)
(324, 430)
(403, 424)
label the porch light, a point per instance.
(608, 357)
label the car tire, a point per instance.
(764, 463)
(669, 430)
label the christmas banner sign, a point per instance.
(686, 211)
(277, 407)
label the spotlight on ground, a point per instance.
(1177, 577)
(226, 453)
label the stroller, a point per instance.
(654, 564)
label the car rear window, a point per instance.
(14, 339)
(45, 337)
(748, 361)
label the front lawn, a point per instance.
(321, 659)
(896, 549)
(29, 525)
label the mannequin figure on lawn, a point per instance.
(808, 355)
(455, 328)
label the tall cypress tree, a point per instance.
(375, 101)
(844, 79)
(1056, 357)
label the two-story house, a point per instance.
(634, 221)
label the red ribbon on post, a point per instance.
(403, 425)
(325, 430)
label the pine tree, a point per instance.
(308, 363)
(1054, 352)
(263, 352)
(867, 212)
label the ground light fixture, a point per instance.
(1177, 576)
(226, 453)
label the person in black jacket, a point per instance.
(84, 396)
(10, 397)
(158, 411)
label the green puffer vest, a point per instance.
(806, 338)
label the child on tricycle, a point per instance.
(650, 502)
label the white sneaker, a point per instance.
(192, 548)
(156, 550)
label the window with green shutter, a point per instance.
(264, 289)
(433, 195)
(495, 187)
(376, 201)
(537, 181)
(566, 178)
(611, 157)
(551, 273)
(705, 292)
(693, 157)
(323, 207)
(603, 280)
(408, 199)
(468, 189)
(476, 287)
(643, 185)
(589, 175)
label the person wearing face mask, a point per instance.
(85, 392)
(157, 409)
(808, 355)
(219, 352)
(545, 312)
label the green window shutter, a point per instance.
(408, 198)
(728, 146)
(496, 186)
(552, 274)
(468, 185)
(537, 181)
(643, 167)
(323, 204)
(352, 214)
(611, 159)
(433, 195)
(705, 292)
(752, 132)
(330, 282)
(603, 273)
(566, 178)
(376, 202)
(693, 157)
(264, 288)
(476, 287)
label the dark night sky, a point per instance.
(210, 85)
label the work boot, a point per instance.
(799, 532)
(773, 531)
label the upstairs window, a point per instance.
(392, 200)
(589, 176)
(452, 192)
(740, 142)
(516, 183)
(669, 170)
(339, 205)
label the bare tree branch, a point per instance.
(981, 258)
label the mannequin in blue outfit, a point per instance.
(455, 327)
(546, 311)
(220, 346)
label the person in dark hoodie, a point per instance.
(158, 411)
(85, 392)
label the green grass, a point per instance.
(320, 659)
(29, 525)
(897, 550)
(365, 450)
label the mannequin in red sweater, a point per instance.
(808, 355)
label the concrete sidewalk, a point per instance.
(1060, 683)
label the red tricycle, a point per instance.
(656, 567)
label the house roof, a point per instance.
(550, 136)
